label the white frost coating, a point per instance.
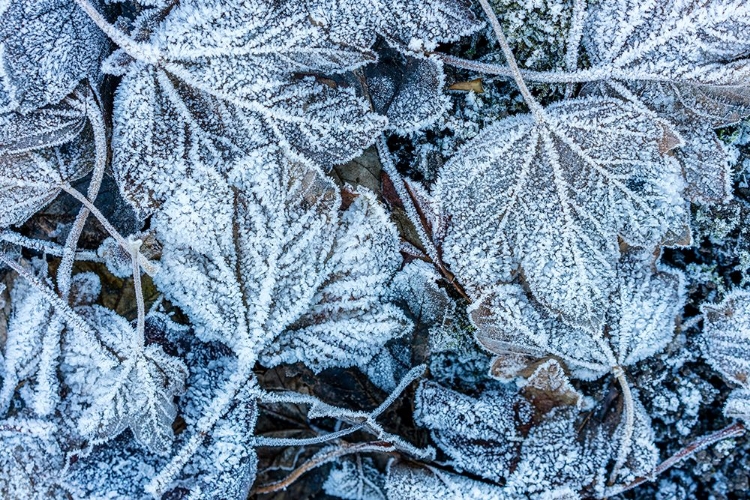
(550, 200)
(726, 346)
(355, 479)
(46, 48)
(640, 319)
(411, 483)
(281, 273)
(135, 392)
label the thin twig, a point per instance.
(140, 303)
(47, 247)
(147, 267)
(702, 443)
(65, 270)
(534, 106)
(322, 459)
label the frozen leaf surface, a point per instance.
(355, 479)
(46, 48)
(727, 347)
(640, 321)
(688, 62)
(117, 383)
(217, 81)
(412, 483)
(283, 273)
(480, 435)
(550, 198)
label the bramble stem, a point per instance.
(701, 443)
(65, 271)
(534, 106)
(322, 459)
(147, 267)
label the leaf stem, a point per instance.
(46, 247)
(627, 438)
(323, 458)
(140, 329)
(534, 106)
(147, 267)
(138, 51)
(65, 270)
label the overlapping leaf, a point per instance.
(727, 347)
(46, 48)
(688, 62)
(549, 198)
(217, 81)
(278, 270)
(639, 322)
(39, 152)
(117, 383)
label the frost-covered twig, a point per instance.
(135, 254)
(574, 40)
(124, 243)
(65, 270)
(47, 247)
(358, 419)
(534, 106)
(701, 443)
(322, 458)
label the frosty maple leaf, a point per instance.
(548, 197)
(640, 321)
(687, 61)
(282, 273)
(726, 335)
(119, 383)
(46, 48)
(217, 81)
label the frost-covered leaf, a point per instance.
(697, 43)
(39, 152)
(549, 387)
(643, 455)
(46, 48)
(225, 466)
(549, 199)
(687, 61)
(706, 162)
(117, 383)
(738, 405)
(480, 435)
(403, 23)
(416, 285)
(282, 272)
(640, 321)
(355, 479)
(217, 81)
(31, 345)
(412, 483)
(727, 337)
(409, 93)
(554, 458)
(30, 459)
